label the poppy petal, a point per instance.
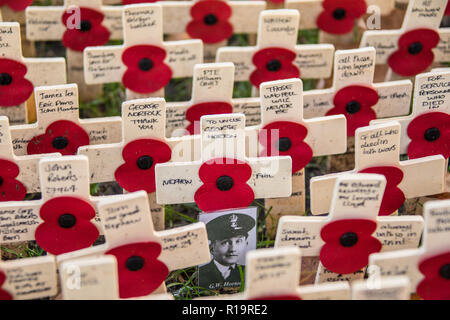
(77, 40)
(218, 32)
(8, 169)
(130, 178)
(218, 8)
(146, 82)
(263, 75)
(209, 198)
(195, 112)
(239, 171)
(434, 286)
(263, 56)
(18, 5)
(12, 190)
(20, 89)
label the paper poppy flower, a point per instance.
(393, 196)
(67, 225)
(210, 21)
(10, 188)
(14, 88)
(436, 284)
(4, 295)
(355, 103)
(61, 136)
(414, 54)
(146, 70)
(16, 5)
(430, 135)
(273, 64)
(140, 271)
(339, 16)
(287, 142)
(195, 112)
(89, 33)
(224, 185)
(348, 244)
(141, 157)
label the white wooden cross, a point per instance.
(45, 23)
(355, 95)
(64, 219)
(278, 30)
(27, 165)
(144, 123)
(353, 217)
(239, 179)
(26, 279)
(57, 107)
(209, 27)
(411, 54)
(387, 288)
(313, 10)
(431, 102)
(17, 88)
(282, 108)
(428, 264)
(377, 150)
(135, 63)
(127, 224)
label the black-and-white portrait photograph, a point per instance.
(231, 234)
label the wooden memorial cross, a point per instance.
(336, 20)
(386, 288)
(284, 131)
(344, 239)
(59, 128)
(276, 55)
(213, 22)
(63, 220)
(132, 161)
(26, 279)
(78, 24)
(428, 267)
(417, 45)
(224, 178)
(144, 256)
(144, 63)
(355, 95)
(377, 150)
(425, 131)
(19, 75)
(18, 174)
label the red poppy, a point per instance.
(447, 9)
(436, 284)
(61, 136)
(288, 142)
(140, 271)
(146, 71)
(414, 54)
(4, 295)
(210, 21)
(393, 196)
(14, 88)
(273, 64)
(225, 185)
(141, 157)
(67, 225)
(282, 297)
(195, 112)
(10, 188)
(338, 16)
(16, 5)
(348, 244)
(430, 135)
(90, 33)
(355, 103)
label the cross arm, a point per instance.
(399, 232)
(104, 159)
(46, 71)
(242, 59)
(326, 291)
(325, 135)
(103, 64)
(19, 220)
(314, 60)
(44, 23)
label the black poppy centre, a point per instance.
(85, 26)
(432, 134)
(339, 14)
(67, 220)
(1, 181)
(273, 65)
(224, 183)
(60, 143)
(5, 79)
(134, 263)
(210, 19)
(144, 162)
(349, 239)
(415, 48)
(444, 271)
(284, 144)
(145, 64)
(353, 107)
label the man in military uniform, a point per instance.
(228, 236)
